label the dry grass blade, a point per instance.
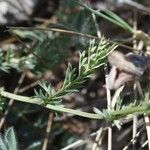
(68, 32)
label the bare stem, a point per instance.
(48, 130)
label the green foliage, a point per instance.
(8, 141)
(96, 57)
(5, 60)
(110, 16)
(46, 51)
(87, 66)
(67, 3)
(2, 103)
(51, 48)
(79, 20)
(143, 107)
(35, 146)
(46, 93)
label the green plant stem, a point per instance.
(113, 115)
(52, 107)
(130, 111)
(73, 85)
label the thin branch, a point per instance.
(143, 145)
(80, 142)
(133, 140)
(68, 32)
(55, 30)
(147, 122)
(96, 26)
(27, 47)
(108, 107)
(135, 117)
(48, 129)
(116, 95)
(27, 87)
(98, 137)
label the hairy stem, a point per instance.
(113, 115)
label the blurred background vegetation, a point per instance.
(27, 56)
